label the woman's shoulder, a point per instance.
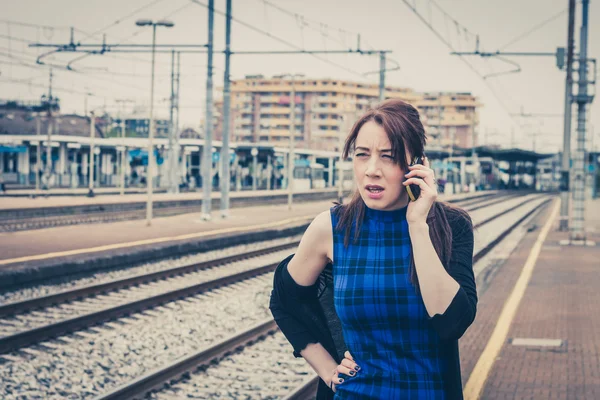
(319, 229)
(323, 220)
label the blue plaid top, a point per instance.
(384, 321)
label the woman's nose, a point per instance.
(372, 168)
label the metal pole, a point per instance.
(291, 156)
(340, 181)
(566, 153)
(381, 76)
(452, 133)
(150, 171)
(38, 129)
(91, 161)
(577, 229)
(594, 163)
(98, 161)
(269, 171)
(207, 150)
(123, 157)
(171, 180)
(179, 150)
(445, 170)
(254, 168)
(48, 170)
(474, 152)
(226, 178)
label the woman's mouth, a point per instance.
(374, 191)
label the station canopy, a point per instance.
(506, 154)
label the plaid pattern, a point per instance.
(383, 318)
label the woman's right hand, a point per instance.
(346, 367)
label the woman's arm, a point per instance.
(449, 297)
(454, 307)
(298, 279)
(322, 363)
(313, 252)
(437, 287)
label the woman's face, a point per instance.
(378, 178)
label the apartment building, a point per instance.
(449, 118)
(326, 108)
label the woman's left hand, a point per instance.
(419, 209)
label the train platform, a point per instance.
(16, 191)
(22, 203)
(536, 331)
(44, 253)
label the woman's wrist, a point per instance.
(418, 227)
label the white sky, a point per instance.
(426, 64)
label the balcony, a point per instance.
(244, 121)
(329, 110)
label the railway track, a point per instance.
(46, 217)
(13, 220)
(152, 385)
(32, 321)
(99, 311)
(27, 322)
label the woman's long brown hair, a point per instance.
(404, 129)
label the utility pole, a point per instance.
(177, 172)
(291, 156)
(123, 158)
(225, 175)
(207, 150)
(566, 153)
(452, 134)
(473, 150)
(582, 99)
(381, 76)
(439, 128)
(150, 169)
(48, 169)
(38, 160)
(91, 162)
(123, 152)
(173, 186)
(340, 182)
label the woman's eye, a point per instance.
(360, 155)
(386, 156)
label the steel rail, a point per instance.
(39, 334)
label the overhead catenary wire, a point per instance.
(303, 21)
(123, 18)
(535, 28)
(463, 59)
(139, 31)
(276, 38)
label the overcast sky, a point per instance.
(425, 61)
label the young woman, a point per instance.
(399, 273)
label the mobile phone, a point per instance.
(414, 191)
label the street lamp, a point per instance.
(150, 174)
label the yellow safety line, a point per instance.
(484, 365)
(153, 241)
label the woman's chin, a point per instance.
(378, 203)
